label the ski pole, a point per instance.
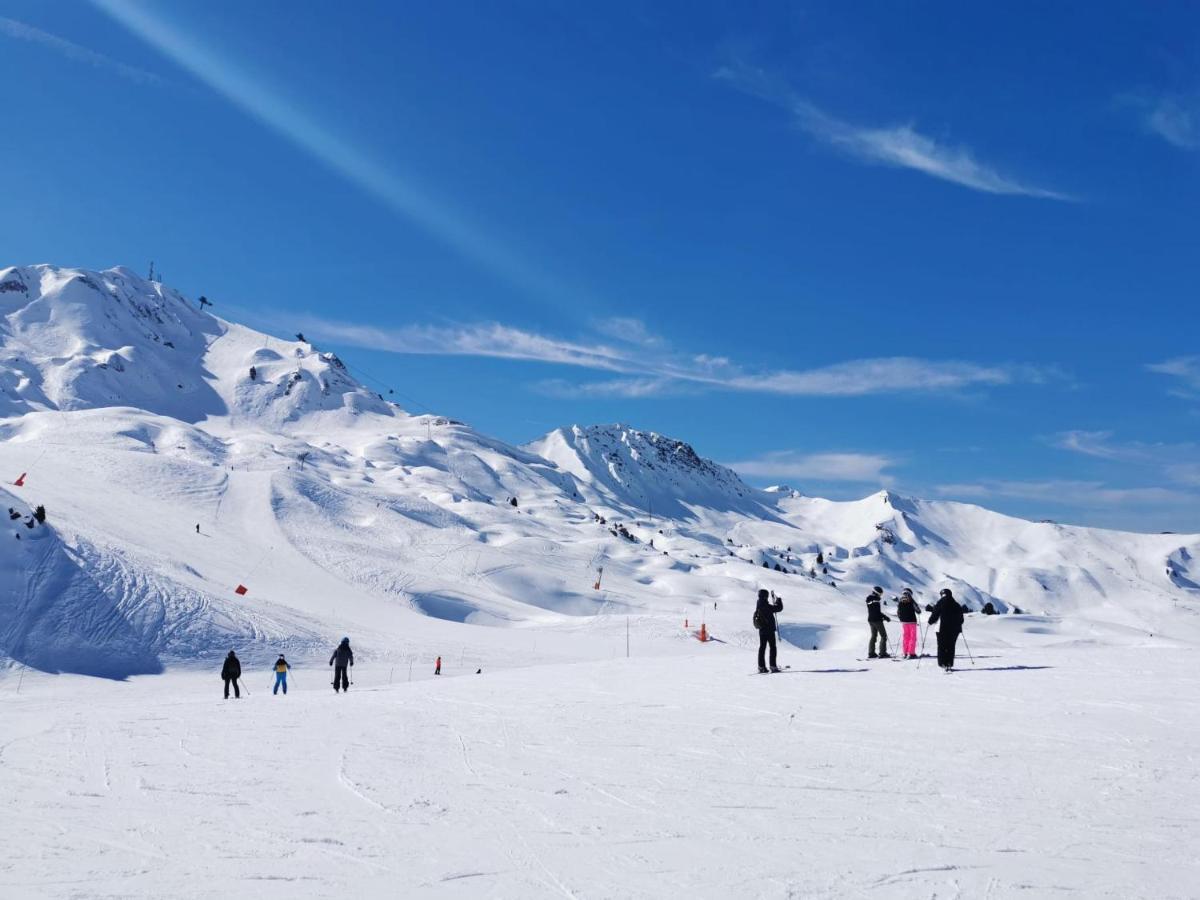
(968, 646)
(921, 655)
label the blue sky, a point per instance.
(948, 249)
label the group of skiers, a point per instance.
(341, 660)
(947, 613)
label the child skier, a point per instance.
(281, 670)
(907, 612)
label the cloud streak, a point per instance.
(897, 146)
(22, 32)
(304, 130)
(1185, 369)
(794, 466)
(647, 366)
(1173, 117)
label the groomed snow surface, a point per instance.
(1038, 773)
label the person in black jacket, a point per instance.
(764, 621)
(876, 618)
(907, 612)
(344, 657)
(949, 613)
(231, 672)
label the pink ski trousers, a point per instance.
(909, 638)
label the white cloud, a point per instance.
(900, 146)
(1173, 117)
(1184, 368)
(630, 388)
(72, 51)
(790, 465)
(1089, 443)
(651, 368)
(1176, 462)
(1067, 492)
(630, 330)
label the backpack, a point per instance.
(758, 618)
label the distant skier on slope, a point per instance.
(876, 618)
(908, 613)
(231, 672)
(344, 657)
(764, 621)
(281, 672)
(948, 611)
(437, 666)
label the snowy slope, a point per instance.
(136, 416)
(1045, 774)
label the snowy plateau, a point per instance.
(581, 740)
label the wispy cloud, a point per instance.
(900, 146)
(1186, 369)
(1067, 492)
(1173, 117)
(649, 367)
(793, 466)
(22, 32)
(1176, 462)
(306, 131)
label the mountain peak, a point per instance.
(642, 470)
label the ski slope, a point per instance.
(1037, 773)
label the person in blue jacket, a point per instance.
(281, 670)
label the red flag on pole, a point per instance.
(240, 589)
(20, 482)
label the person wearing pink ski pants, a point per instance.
(908, 613)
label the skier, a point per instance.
(231, 672)
(345, 657)
(197, 528)
(281, 670)
(876, 618)
(948, 611)
(40, 514)
(907, 613)
(437, 666)
(764, 621)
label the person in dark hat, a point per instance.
(949, 614)
(764, 621)
(908, 613)
(231, 671)
(876, 618)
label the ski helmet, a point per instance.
(907, 592)
(878, 589)
(945, 592)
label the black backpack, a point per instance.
(758, 618)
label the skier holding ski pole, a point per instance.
(948, 612)
(908, 614)
(344, 657)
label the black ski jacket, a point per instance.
(343, 654)
(232, 667)
(906, 610)
(766, 614)
(875, 609)
(949, 613)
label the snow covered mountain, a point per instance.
(181, 457)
